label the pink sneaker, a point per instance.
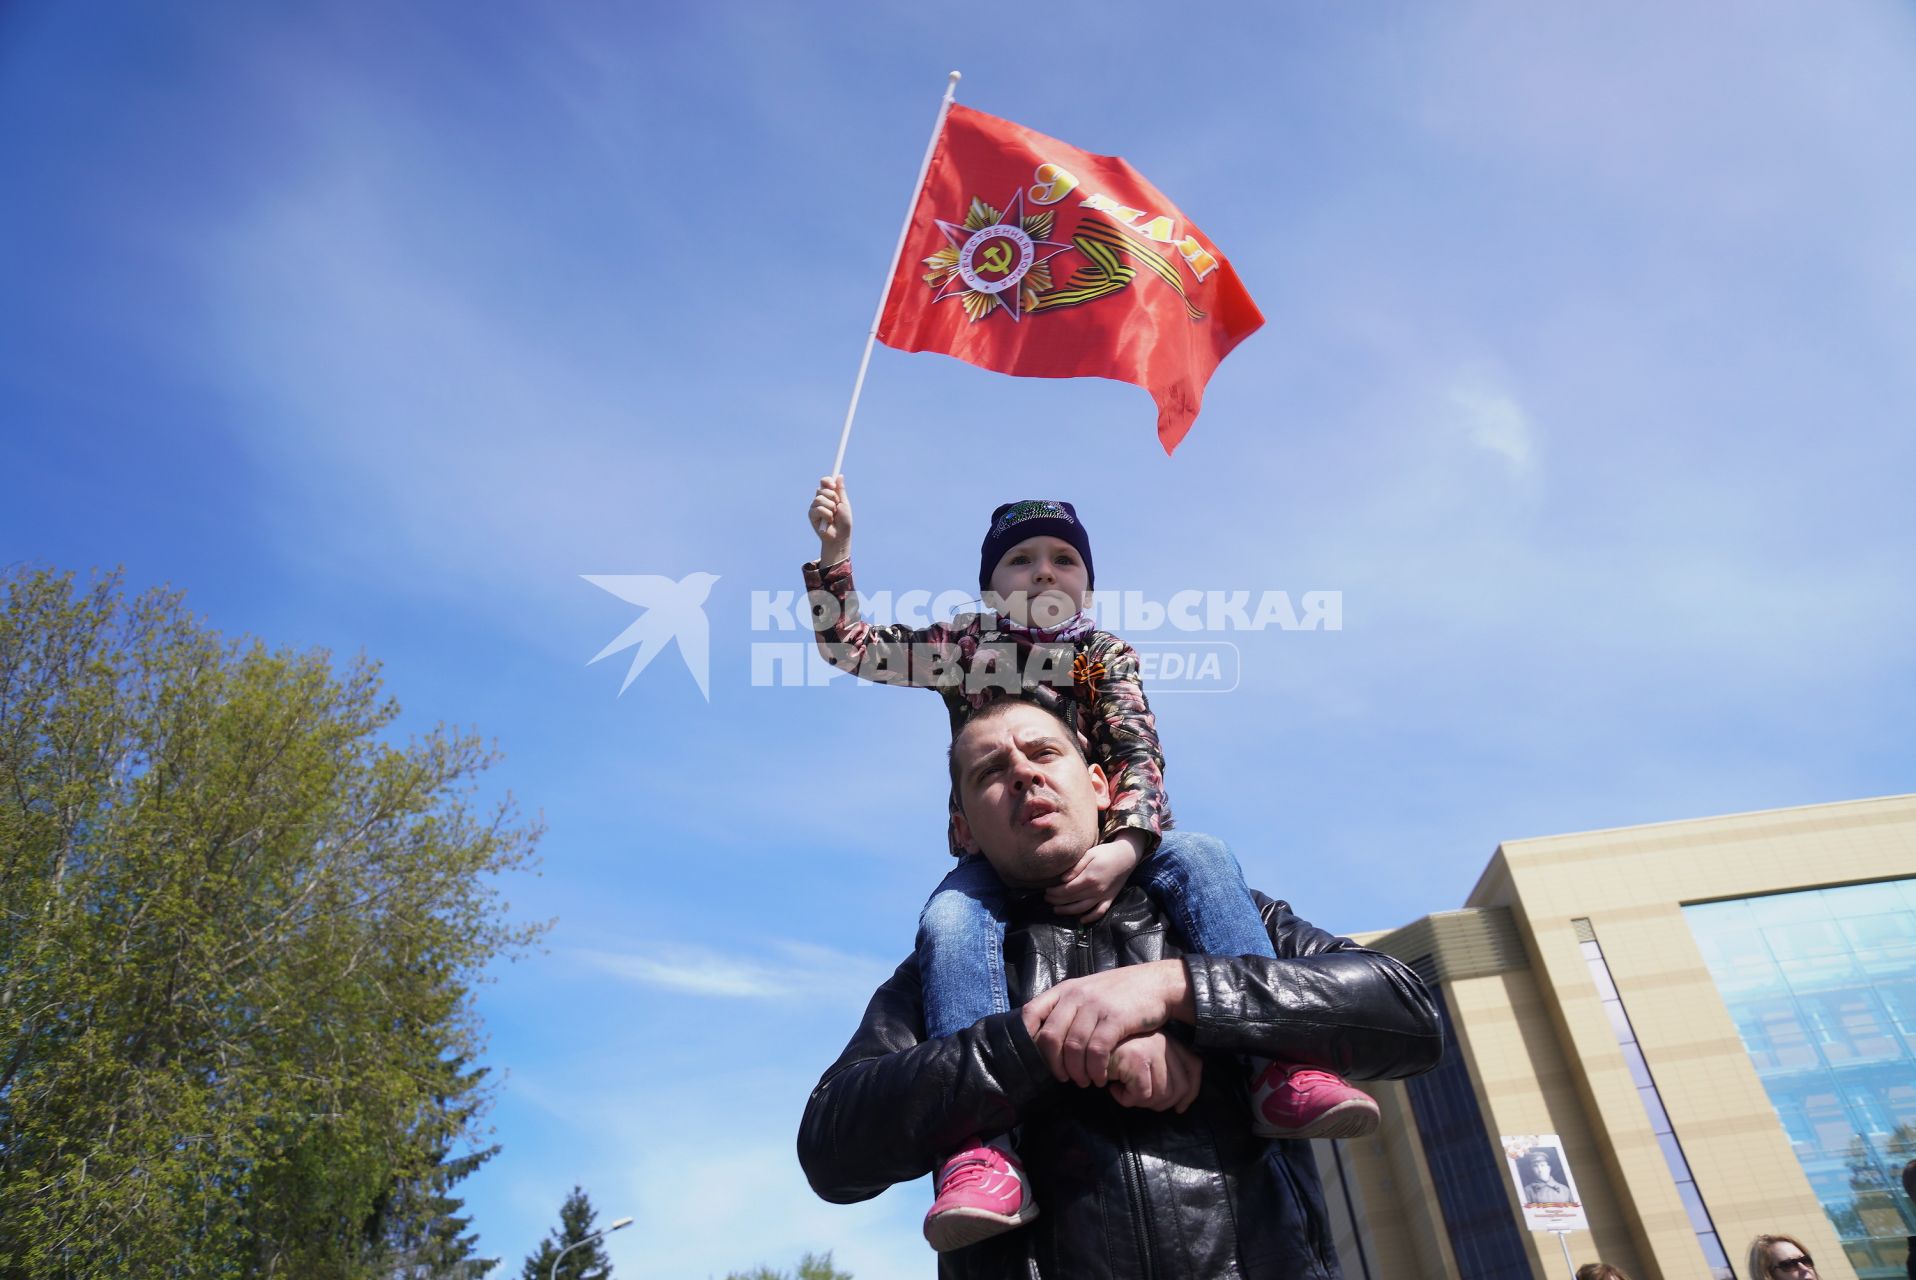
(1304, 1102)
(981, 1192)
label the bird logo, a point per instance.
(673, 611)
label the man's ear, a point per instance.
(962, 830)
(1100, 787)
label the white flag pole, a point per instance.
(1563, 1238)
(844, 437)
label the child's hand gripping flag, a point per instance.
(1034, 258)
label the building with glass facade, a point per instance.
(1822, 987)
(1717, 1017)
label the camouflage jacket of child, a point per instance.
(1091, 682)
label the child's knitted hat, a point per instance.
(1015, 521)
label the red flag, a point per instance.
(1034, 258)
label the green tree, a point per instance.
(811, 1267)
(416, 1230)
(588, 1262)
(239, 924)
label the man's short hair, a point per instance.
(991, 711)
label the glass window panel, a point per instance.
(1805, 939)
(1888, 1260)
(1893, 934)
(1829, 1121)
(1898, 1100)
(1866, 1106)
(1673, 1156)
(1834, 1182)
(1774, 1034)
(1814, 975)
(1882, 1216)
(1693, 1207)
(1753, 982)
(1899, 997)
(1600, 974)
(1790, 1111)
(1867, 1259)
(1729, 939)
(1713, 1251)
(1659, 1121)
(1619, 1022)
(1786, 910)
(1639, 1069)
(1716, 951)
(1857, 900)
(1851, 1026)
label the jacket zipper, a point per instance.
(1140, 1210)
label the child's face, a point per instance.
(1041, 582)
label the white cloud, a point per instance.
(1497, 423)
(802, 971)
(702, 1159)
(714, 1207)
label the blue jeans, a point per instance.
(961, 932)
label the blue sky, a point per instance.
(1588, 379)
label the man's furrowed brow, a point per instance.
(1031, 741)
(977, 767)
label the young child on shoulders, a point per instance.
(1035, 640)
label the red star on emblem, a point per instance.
(995, 258)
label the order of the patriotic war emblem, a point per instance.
(995, 261)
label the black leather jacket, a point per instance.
(1122, 1191)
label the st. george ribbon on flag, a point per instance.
(1030, 257)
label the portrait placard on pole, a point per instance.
(1545, 1188)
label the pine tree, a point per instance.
(588, 1262)
(416, 1232)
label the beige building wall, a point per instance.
(1393, 1202)
(1525, 1084)
(1543, 1057)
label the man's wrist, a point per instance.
(1178, 1004)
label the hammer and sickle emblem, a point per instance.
(997, 258)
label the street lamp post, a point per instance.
(596, 1235)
